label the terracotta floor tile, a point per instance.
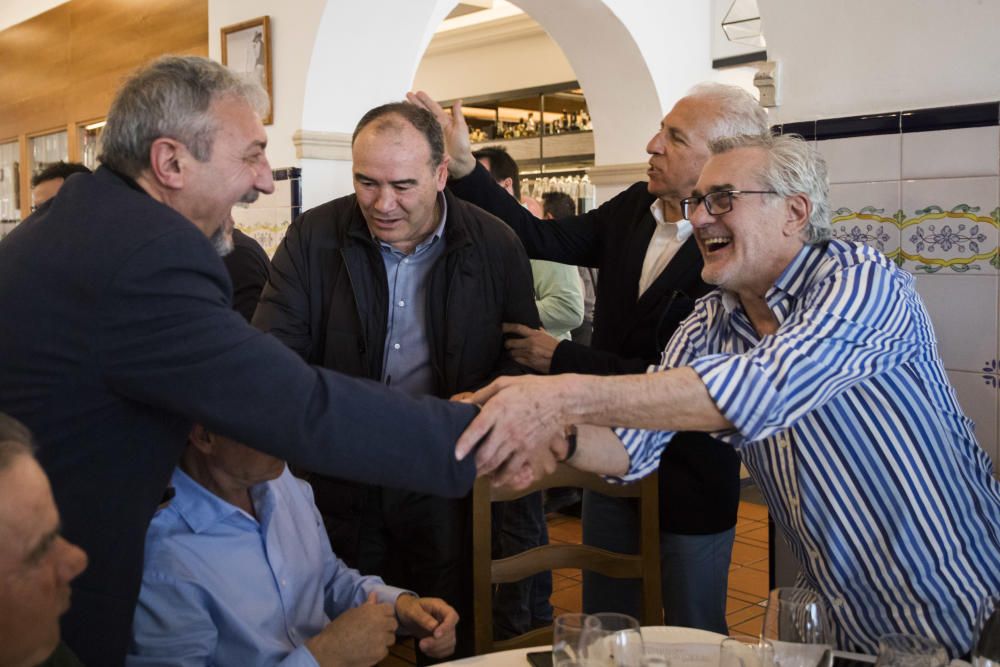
(570, 532)
(759, 534)
(749, 598)
(744, 615)
(569, 598)
(569, 573)
(735, 604)
(561, 583)
(753, 511)
(744, 553)
(749, 628)
(749, 581)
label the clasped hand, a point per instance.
(518, 436)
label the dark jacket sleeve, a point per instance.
(285, 304)
(572, 240)
(571, 357)
(519, 300)
(170, 340)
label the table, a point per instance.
(651, 635)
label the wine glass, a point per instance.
(620, 643)
(796, 624)
(899, 650)
(742, 652)
(572, 638)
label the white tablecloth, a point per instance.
(652, 636)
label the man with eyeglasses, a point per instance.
(816, 360)
(649, 275)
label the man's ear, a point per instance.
(508, 185)
(442, 173)
(201, 439)
(798, 207)
(166, 158)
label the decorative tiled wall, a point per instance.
(924, 188)
(267, 218)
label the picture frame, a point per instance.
(246, 50)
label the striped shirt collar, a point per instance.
(792, 282)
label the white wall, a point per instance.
(850, 57)
(293, 31)
(481, 60)
(13, 12)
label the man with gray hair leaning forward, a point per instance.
(118, 333)
(816, 360)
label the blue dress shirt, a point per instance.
(407, 361)
(220, 587)
(847, 422)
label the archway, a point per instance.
(625, 62)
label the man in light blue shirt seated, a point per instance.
(239, 571)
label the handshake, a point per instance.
(527, 424)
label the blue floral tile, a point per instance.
(950, 226)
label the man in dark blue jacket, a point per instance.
(402, 283)
(118, 333)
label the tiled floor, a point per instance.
(748, 585)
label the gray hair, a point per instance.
(15, 441)
(737, 111)
(170, 97)
(793, 167)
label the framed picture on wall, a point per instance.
(246, 49)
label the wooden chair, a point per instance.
(486, 572)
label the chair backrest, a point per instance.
(486, 572)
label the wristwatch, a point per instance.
(570, 443)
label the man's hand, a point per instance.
(533, 349)
(359, 637)
(456, 133)
(521, 427)
(430, 619)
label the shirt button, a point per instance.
(401, 303)
(838, 602)
(284, 583)
(395, 346)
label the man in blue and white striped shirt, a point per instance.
(815, 359)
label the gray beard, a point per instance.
(222, 242)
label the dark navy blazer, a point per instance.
(117, 332)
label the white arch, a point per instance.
(366, 53)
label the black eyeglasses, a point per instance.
(718, 202)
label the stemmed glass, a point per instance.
(573, 637)
(898, 650)
(739, 652)
(620, 644)
(797, 626)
